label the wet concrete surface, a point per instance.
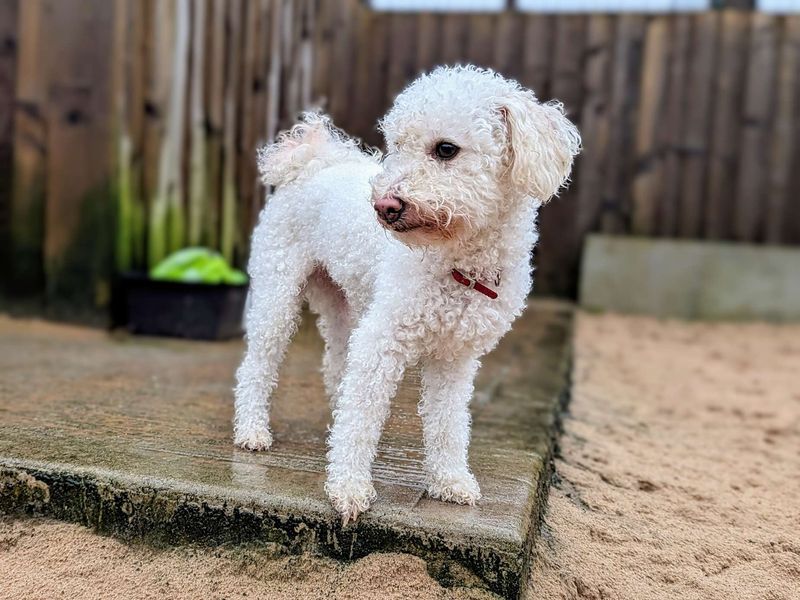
(132, 436)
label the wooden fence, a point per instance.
(129, 127)
(134, 133)
(690, 122)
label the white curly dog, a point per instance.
(470, 157)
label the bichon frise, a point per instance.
(421, 255)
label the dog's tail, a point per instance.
(307, 148)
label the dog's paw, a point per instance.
(461, 489)
(350, 498)
(254, 440)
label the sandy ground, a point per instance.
(679, 477)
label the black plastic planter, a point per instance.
(187, 310)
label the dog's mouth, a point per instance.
(402, 226)
(418, 224)
(420, 231)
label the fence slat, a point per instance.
(455, 30)
(366, 79)
(729, 86)
(247, 129)
(791, 214)
(480, 41)
(78, 62)
(697, 124)
(648, 178)
(402, 35)
(672, 128)
(26, 261)
(129, 86)
(228, 214)
(272, 109)
(786, 136)
(324, 34)
(594, 125)
(9, 20)
(750, 198)
(559, 244)
(625, 77)
(538, 53)
(508, 46)
(429, 28)
(343, 58)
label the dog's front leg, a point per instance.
(375, 365)
(444, 408)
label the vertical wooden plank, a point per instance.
(364, 102)
(343, 59)
(429, 28)
(129, 89)
(594, 125)
(558, 251)
(625, 78)
(672, 125)
(154, 114)
(305, 27)
(79, 219)
(759, 96)
(229, 189)
(246, 130)
(290, 82)
(567, 66)
(259, 91)
(274, 77)
(123, 42)
(648, 177)
(197, 191)
(537, 53)
(508, 46)
(696, 129)
(481, 40)
(729, 85)
(402, 40)
(455, 34)
(324, 34)
(791, 210)
(9, 20)
(781, 196)
(166, 232)
(375, 96)
(26, 261)
(213, 103)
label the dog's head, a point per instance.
(463, 147)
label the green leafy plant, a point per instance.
(197, 265)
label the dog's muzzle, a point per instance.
(389, 208)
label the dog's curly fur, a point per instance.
(387, 300)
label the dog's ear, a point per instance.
(542, 144)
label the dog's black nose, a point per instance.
(389, 208)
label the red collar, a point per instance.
(473, 284)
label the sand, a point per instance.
(678, 477)
(680, 467)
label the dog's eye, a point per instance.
(446, 150)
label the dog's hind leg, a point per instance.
(334, 322)
(278, 270)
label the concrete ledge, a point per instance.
(691, 280)
(132, 437)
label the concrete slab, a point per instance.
(132, 436)
(690, 280)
